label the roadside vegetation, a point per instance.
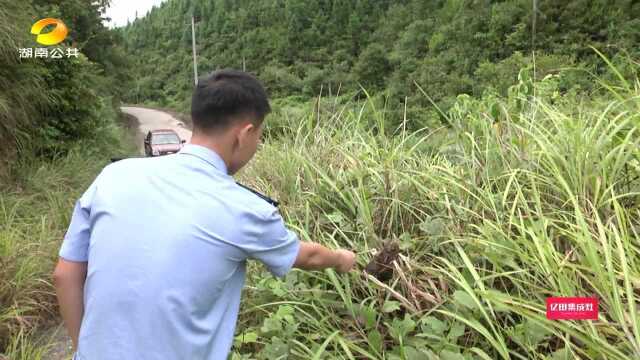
(520, 198)
(302, 48)
(35, 209)
(58, 127)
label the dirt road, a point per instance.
(149, 119)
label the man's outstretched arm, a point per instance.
(69, 278)
(313, 256)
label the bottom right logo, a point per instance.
(572, 308)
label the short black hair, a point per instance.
(225, 94)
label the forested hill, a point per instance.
(448, 46)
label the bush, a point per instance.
(35, 207)
(279, 80)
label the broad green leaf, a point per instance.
(456, 331)
(390, 306)
(449, 355)
(464, 299)
(562, 354)
(375, 339)
(271, 324)
(370, 316)
(411, 353)
(401, 328)
(534, 332)
(432, 226)
(433, 325)
(248, 337)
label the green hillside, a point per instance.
(305, 48)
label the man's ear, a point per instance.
(244, 132)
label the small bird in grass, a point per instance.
(381, 265)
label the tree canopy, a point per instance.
(299, 47)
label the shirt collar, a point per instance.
(205, 154)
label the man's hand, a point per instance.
(314, 256)
(347, 261)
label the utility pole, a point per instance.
(244, 64)
(193, 41)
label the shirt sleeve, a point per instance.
(269, 241)
(75, 246)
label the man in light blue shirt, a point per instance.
(153, 263)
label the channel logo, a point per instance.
(55, 36)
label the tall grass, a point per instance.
(521, 199)
(35, 205)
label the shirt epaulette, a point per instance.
(262, 196)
